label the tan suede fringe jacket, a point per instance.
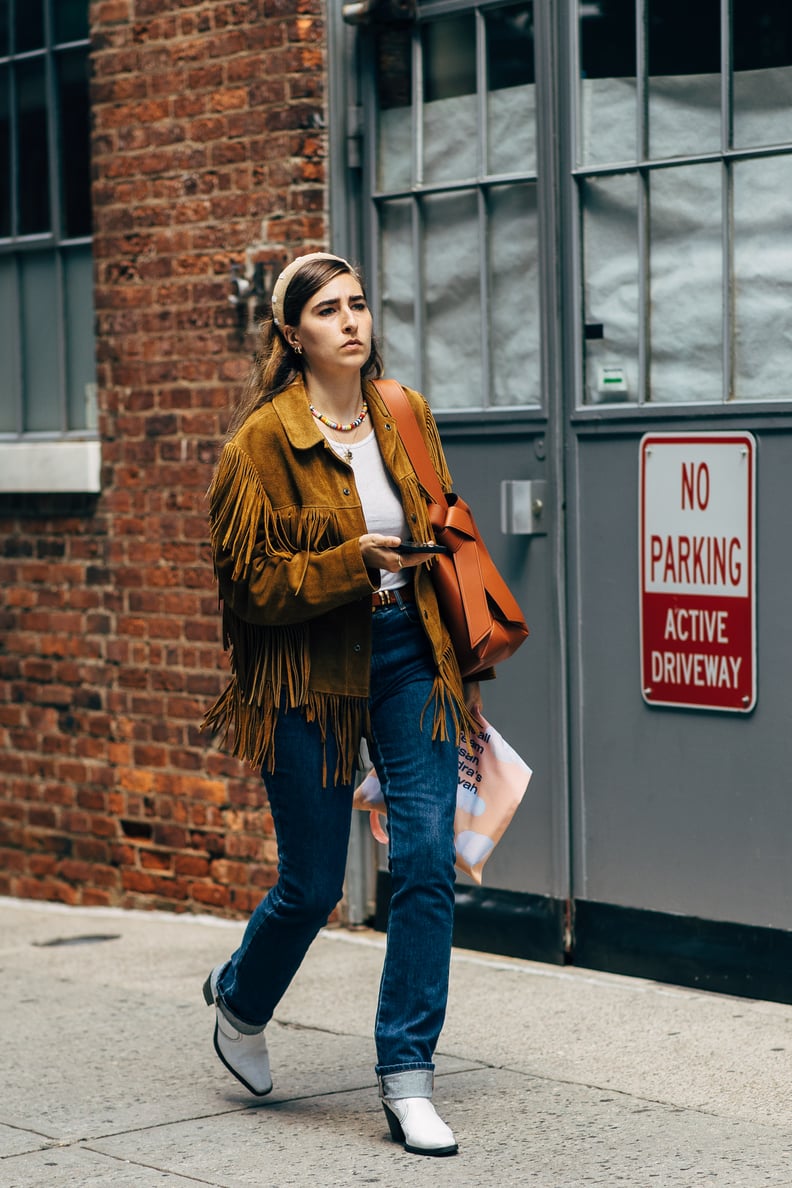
(285, 518)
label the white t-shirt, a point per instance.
(382, 507)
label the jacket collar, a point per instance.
(291, 405)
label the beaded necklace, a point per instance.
(335, 425)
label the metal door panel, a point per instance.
(520, 701)
(675, 810)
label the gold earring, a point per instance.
(297, 348)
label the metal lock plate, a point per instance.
(524, 510)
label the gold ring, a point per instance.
(401, 563)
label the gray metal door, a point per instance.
(674, 153)
(444, 168)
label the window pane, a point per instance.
(449, 57)
(453, 305)
(398, 284)
(607, 81)
(33, 161)
(450, 109)
(71, 20)
(394, 108)
(610, 247)
(511, 94)
(9, 372)
(684, 38)
(514, 295)
(684, 82)
(79, 335)
(39, 317)
(5, 154)
(75, 137)
(4, 28)
(28, 25)
(451, 139)
(686, 285)
(762, 268)
(762, 31)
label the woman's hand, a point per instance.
(473, 702)
(378, 553)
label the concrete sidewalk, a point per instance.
(549, 1077)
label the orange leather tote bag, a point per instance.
(483, 618)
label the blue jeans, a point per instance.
(419, 780)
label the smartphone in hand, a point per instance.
(417, 546)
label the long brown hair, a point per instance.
(276, 363)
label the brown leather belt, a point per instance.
(388, 597)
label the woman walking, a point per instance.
(334, 636)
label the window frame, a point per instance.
(481, 183)
(642, 169)
(59, 458)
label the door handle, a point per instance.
(524, 510)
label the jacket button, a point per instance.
(347, 491)
(356, 647)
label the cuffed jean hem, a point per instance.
(244, 1028)
(241, 1026)
(417, 1081)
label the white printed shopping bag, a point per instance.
(491, 783)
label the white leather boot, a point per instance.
(245, 1056)
(415, 1122)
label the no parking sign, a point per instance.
(697, 521)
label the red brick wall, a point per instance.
(207, 148)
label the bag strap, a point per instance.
(457, 519)
(468, 548)
(400, 409)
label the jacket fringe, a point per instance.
(251, 726)
(447, 702)
(347, 719)
(436, 451)
(277, 658)
(414, 503)
(239, 510)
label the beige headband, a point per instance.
(283, 281)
